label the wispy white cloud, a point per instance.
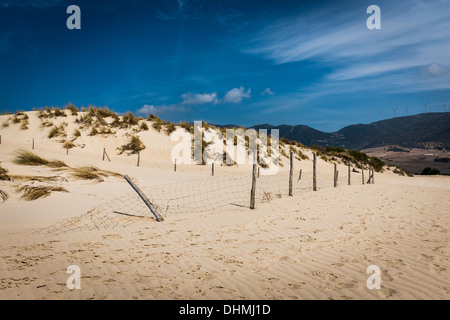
(159, 110)
(236, 95)
(267, 91)
(189, 98)
(414, 35)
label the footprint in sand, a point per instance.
(386, 293)
(424, 257)
(346, 285)
(436, 268)
(386, 276)
(325, 275)
(111, 236)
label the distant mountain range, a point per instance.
(409, 131)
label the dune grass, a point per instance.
(31, 193)
(28, 158)
(4, 175)
(93, 173)
(39, 178)
(4, 195)
(135, 145)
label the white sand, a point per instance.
(315, 245)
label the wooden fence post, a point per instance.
(349, 165)
(212, 169)
(139, 158)
(258, 171)
(299, 175)
(373, 176)
(335, 175)
(0, 139)
(146, 201)
(362, 173)
(32, 145)
(314, 172)
(253, 191)
(291, 172)
(105, 154)
(175, 166)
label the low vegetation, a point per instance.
(74, 110)
(76, 133)
(28, 158)
(68, 145)
(358, 158)
(4, 195)
(58, 131)
(18, 118)
(92, 173)
(134, 146)
(4, 175)
(31, 193)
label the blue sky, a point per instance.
(224, 61)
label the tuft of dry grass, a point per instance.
(39, 178)
(28, 158)
(76, 133)
(74, 110)
(57, 131)
(31, 193)
(135, 145)
(93, 173)
(68, 145)
(4, 175)
(143, 126)
(4, 195)
(170, 127)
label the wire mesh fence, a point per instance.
(207, 195)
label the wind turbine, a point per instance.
(426, 106)
(381, 115)
(445, 106)
(406, 109)
(368, 119)
(395, 111)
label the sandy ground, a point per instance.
(314, 245)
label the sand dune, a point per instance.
(314, 245)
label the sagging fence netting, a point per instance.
(205, 195)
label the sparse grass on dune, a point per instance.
(24, 157)
(135, 145)
(4, 195)
(39, 178)
(93, 173)
(28, 158)
(4, 175)
(31, 193)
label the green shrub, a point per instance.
(376, 163)
(334, 149)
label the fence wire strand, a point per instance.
(207, 195)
